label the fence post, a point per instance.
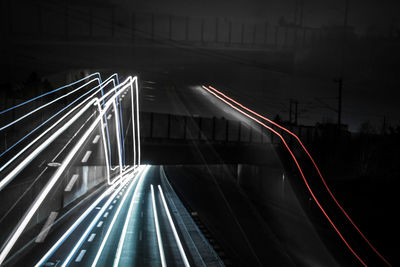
(286, 36)
(187, 28)
(66, 20)
(254, 34)
(216, 29)
(113, 22)
(91, 23)
(230, 33)
(133, 26)
(266, 34)
(242, 37)
(170, 27)
(202, 30)
(152, 26)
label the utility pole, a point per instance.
(295, 111)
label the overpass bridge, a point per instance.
(77, 187)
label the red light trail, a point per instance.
(227, 100)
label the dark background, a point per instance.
(267, 54)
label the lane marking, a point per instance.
(71, 183)
(158, 233)
(105, 215)
(99, 224)
(86, 157)
(96, 139)
(111, 206)
(46, 227)
(109, 116)
(91, 237)
(80, 256)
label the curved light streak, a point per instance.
(61, 110)
(171, 223)
(142, 173)
(67, 233)
(158, 232)
(315, 166)
(55, 90)
(51, 127)
(298, 167)
(18, 230)
(128, 217)
(94, 222)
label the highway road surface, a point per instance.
(138, 224)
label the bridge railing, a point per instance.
(160, 126)
(94, 141)
(104, 22)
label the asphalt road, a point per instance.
(120, 231)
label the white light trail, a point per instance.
(43, 106)
(158, 233)
(128, 217)
(55, 90)
(104, 241)
(48, 141)
(77, 222)
(171, 223)
(18, 230)
(91, 226)
(53, 126)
